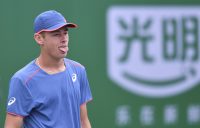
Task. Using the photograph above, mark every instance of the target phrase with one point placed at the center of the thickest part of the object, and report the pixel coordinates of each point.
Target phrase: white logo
(154, 51)
(11, 101)
(74, 77)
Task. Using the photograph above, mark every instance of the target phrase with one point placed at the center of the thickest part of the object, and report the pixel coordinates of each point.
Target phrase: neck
(51, 66)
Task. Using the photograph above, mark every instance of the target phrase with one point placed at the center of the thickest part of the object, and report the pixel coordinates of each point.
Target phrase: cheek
(51, 47)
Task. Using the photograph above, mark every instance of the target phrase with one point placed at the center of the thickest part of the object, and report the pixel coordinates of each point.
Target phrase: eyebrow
(66, 29)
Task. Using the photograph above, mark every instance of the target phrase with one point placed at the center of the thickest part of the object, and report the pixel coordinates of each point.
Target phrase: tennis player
(51, 91)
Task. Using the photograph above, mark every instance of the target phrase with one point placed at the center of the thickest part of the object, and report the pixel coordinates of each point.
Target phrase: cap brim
(58, 26)
(71, 25)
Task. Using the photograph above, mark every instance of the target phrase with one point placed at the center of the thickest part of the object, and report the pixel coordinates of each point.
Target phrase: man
(51, 91)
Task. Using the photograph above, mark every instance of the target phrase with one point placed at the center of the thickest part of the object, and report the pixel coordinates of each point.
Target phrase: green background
(87, 46)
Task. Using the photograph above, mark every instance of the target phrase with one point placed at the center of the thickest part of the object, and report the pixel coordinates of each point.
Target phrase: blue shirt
(49, 100)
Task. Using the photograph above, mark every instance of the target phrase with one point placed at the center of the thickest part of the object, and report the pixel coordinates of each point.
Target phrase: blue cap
(51, 21)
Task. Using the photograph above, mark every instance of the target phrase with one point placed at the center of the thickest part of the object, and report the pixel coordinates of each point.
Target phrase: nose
(64, 38)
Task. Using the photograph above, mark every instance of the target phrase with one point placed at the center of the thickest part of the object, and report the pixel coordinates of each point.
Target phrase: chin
(63, 56)
(59, 57)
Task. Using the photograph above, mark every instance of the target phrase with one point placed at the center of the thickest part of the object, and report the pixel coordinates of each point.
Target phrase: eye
(56, 34)
(65, 33)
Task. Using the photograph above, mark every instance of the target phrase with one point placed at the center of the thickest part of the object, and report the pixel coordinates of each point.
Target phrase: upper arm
(20, 100)
(86, 94)
(13, 121)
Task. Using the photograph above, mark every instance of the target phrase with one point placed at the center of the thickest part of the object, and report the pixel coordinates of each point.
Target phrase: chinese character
(193, 114)
(123, 117)
(138, 33)
(147, 115)
(170, 114)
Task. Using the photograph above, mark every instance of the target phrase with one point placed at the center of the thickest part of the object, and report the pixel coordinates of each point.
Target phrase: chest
(63, 88)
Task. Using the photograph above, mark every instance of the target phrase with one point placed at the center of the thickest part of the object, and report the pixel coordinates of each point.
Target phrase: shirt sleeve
(86, 94)
(20, 101)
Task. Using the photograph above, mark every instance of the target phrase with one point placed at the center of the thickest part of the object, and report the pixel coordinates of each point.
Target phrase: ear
(39, 38)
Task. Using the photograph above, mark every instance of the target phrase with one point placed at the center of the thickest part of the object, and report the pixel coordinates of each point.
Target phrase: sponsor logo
(154, 51)
(74, 77)
(11, 101)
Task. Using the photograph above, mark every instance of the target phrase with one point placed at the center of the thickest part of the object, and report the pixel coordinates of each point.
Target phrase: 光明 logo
(154, 51)
(11, 101)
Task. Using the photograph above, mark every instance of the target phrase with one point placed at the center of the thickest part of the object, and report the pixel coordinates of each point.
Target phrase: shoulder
(24, 73)
(78, 68)
(74, 64)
